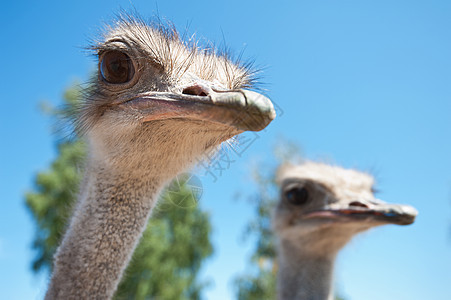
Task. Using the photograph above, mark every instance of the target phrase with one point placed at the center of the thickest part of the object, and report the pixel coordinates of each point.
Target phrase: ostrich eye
(116, 67)
(297, 195)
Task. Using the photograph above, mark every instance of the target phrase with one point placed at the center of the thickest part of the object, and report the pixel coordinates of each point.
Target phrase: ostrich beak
(375, 211)
(242, 109)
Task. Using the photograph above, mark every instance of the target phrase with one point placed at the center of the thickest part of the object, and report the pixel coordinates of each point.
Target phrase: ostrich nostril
(195, 90)
(358, 204)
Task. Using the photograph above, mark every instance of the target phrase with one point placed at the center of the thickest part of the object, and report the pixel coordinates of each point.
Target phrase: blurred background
(363, 84)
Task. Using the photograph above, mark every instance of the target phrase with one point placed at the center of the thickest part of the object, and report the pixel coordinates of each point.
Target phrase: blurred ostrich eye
(116, 67)
(297, 195)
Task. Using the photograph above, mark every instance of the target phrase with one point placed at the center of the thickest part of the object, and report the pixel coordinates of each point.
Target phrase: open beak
(371, 211)
(242, 109)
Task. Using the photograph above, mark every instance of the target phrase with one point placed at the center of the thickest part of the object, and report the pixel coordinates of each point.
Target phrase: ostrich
(156, 105)
(320, 209)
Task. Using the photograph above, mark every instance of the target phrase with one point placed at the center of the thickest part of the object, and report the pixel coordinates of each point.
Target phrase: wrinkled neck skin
(304, 274)
(306, 255)
(116, 199)
(102, 235)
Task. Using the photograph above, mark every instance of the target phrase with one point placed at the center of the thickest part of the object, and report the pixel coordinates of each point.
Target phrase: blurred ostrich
(155, 107)
(320, 209)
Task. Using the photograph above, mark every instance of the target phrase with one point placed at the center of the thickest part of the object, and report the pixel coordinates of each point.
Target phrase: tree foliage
(167, 260)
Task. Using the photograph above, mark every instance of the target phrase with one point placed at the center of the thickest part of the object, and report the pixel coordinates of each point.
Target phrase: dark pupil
(116, 67)
(297, 195)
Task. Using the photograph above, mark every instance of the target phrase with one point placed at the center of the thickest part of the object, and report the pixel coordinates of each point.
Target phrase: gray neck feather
(304, 275)
(107, 223)
(121, 185)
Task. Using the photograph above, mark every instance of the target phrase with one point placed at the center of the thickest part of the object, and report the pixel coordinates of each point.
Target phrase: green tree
(260, 281)
(167, 260)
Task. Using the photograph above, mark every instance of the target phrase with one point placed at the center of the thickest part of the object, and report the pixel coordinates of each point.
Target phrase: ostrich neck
(111, 213)
(304, 275)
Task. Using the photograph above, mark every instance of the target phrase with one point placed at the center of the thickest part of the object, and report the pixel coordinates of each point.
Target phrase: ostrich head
(157, 99)
(322, 207)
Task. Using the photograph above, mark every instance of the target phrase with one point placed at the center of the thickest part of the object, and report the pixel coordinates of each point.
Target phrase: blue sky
(364, 84)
